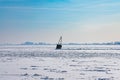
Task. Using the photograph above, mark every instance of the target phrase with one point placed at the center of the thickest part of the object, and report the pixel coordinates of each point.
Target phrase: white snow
(73, 62)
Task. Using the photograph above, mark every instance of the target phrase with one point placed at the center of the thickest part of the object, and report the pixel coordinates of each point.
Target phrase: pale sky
(47, 20)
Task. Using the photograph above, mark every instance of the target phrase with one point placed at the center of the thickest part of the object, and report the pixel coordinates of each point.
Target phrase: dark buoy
(59, 45)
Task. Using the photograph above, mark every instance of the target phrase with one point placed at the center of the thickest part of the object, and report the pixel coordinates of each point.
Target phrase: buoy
(59, 45)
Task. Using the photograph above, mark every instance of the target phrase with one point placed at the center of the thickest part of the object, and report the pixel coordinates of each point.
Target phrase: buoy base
(59, 46)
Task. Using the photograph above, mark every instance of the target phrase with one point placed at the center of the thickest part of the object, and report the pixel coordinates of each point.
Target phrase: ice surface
(73, 62)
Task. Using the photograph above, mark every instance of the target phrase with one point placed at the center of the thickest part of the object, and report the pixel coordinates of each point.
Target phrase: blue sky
(46, 20)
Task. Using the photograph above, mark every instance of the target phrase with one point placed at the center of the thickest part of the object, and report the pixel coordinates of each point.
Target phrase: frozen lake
(73, 62)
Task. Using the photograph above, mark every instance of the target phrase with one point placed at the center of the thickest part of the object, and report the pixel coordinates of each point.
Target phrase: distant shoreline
(43, 43)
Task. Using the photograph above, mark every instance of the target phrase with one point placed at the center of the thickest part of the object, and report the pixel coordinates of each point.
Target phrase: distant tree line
(43, 43)
(32, 43)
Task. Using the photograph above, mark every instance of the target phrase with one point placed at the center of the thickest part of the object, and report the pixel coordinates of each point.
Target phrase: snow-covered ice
(73, 62)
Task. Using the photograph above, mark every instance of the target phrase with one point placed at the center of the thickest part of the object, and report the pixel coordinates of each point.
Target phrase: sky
(47, 20)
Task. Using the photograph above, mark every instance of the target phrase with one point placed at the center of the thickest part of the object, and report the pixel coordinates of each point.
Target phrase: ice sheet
(81, 62)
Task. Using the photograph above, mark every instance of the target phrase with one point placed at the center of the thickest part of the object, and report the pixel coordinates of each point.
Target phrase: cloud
(33, 8)
(84, 9)
(76, 5)
(101, 5)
